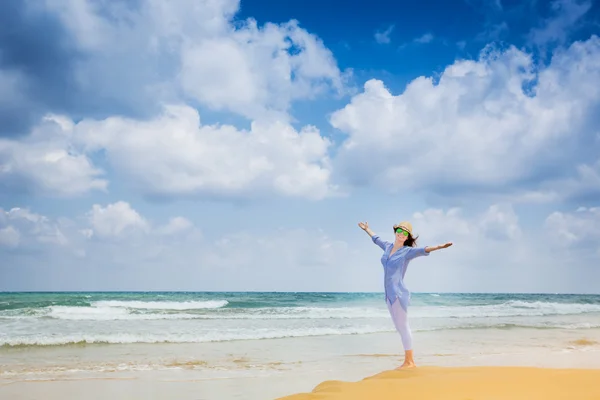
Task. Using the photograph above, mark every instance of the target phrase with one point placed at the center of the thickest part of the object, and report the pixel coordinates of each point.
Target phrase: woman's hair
(411, 241)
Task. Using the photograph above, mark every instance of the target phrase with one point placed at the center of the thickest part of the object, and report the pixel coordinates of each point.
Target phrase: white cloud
(286, 259)
(116, 220)
(174, 154)
(426, 38)
(384, 37)
(579, 228)
(46, 163)
(112, 232)
(167, 52)
(475, 127)
(180, 56)
(501, 221)
(491, 252)
(175, 226)
(99, 25)
(149, 255)
(26, 229)
(496, 226)
(251, 71)
(584, 182)
(557, 27)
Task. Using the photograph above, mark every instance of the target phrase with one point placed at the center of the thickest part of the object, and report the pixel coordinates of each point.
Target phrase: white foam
(308, 313)
(513, 308)
(215, 309)
(106, 314)
(162, 305)
(101, 312)
(213, 336)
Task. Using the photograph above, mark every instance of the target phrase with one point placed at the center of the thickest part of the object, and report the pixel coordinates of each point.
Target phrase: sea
(54, 319)
(272, 343)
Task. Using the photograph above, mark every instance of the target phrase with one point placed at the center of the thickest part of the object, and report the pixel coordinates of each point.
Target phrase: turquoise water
(40, 319)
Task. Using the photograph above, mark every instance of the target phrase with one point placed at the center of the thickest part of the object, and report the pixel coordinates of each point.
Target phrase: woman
(395, 259)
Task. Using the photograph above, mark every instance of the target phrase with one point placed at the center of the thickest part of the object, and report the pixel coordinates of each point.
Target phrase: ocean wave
(162, 305)
(122, 313)
(106, 314)
(512, 308)
(216, 309)
(146, 337)
(150, 338)
(540, 325)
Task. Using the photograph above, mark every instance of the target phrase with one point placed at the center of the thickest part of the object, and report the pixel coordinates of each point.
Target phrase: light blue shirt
(394, 269)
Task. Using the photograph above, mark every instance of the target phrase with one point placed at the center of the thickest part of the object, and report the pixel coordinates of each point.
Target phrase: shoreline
(278, 368)
(257, 347)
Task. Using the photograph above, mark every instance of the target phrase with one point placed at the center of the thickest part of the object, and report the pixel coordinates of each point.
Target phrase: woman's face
(401, 235)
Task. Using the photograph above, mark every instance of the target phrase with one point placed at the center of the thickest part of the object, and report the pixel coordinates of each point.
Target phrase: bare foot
(409, 361)
(407, 365)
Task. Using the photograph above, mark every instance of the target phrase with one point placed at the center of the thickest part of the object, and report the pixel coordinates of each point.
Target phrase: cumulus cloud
(170, 155)
(154, 64)
(35, 68)
(176, 225)
(129, 58)
(499, 221)
(23, 228)
(46, 163)
(108, 233)
(475, 235)
(494, 252)
(255, 70)
(123, 249)
(174, 154)
(582, 185)
(115, 220)
(476, 127)
(578, 228)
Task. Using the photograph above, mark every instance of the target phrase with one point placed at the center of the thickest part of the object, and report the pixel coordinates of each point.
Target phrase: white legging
(400, 318)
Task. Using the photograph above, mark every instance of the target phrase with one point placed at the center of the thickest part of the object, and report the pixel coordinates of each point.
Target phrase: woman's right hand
(363, 225)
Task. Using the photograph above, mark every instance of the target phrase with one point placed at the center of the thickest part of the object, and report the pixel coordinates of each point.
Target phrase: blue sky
(234, 145)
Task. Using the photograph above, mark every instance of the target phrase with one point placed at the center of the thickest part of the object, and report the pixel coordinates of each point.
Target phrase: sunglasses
(402, 231)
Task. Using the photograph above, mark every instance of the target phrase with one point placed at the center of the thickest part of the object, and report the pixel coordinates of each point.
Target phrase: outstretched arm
(376, 239)
(429, 249)
(365, 227)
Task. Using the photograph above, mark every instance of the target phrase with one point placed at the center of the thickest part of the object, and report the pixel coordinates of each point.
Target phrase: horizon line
(281, 292)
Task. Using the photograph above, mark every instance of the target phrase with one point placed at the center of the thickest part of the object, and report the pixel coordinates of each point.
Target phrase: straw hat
(407, 226)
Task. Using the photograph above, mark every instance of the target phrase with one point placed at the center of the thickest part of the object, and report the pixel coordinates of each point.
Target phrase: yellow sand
(470, 383)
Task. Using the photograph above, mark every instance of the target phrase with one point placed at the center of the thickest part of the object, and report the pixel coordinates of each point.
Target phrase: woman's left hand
(446, 245)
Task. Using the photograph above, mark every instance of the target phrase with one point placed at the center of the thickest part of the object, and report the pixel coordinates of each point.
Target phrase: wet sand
(276, 368)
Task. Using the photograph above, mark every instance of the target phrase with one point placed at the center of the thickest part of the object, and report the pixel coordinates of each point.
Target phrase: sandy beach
(264, 346)
(473, 366)
(513, 383)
